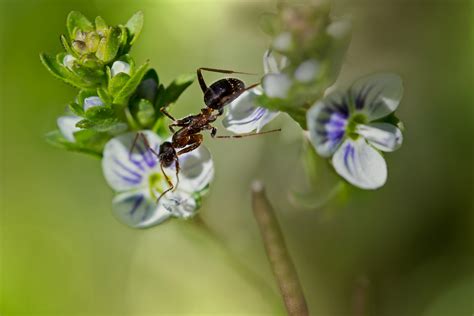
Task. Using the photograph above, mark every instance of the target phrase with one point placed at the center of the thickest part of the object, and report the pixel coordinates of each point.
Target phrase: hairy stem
(280, 260)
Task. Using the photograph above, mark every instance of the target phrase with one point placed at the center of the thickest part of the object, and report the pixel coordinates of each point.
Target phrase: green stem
(275, 247)
(247, 274)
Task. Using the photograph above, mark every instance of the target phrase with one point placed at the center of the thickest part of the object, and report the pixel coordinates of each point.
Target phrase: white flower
(120, 67)
(138, 181)
(307, 71)
(244, 114)
(346, 127)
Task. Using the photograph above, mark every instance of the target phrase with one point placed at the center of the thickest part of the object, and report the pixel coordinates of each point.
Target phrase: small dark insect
(189, 136)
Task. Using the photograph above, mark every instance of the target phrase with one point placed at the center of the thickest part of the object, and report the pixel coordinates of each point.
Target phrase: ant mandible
(189, 135)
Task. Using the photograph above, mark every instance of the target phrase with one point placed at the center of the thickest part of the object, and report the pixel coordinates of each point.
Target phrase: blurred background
(406, 249)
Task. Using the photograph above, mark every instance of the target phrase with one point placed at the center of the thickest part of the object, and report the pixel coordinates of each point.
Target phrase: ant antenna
(247, 135)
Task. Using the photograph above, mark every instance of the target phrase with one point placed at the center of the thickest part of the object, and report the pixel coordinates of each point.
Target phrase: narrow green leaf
(56, 139)
(129, 88)
(174, 90)
(67, 46)
(100, 25)
(99, 113)
(76, 109)
(59, 71)
(109, 45)
(134, 26)
(104, 96)
(76, 20)
(117, 82)
(111, 125)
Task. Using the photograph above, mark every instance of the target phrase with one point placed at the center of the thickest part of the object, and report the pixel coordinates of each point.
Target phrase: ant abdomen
(222, 92)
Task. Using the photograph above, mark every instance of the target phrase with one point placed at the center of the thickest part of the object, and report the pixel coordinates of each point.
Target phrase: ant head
(167, 154)
(222, 92)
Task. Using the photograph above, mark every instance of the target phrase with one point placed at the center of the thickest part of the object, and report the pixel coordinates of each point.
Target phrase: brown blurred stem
(280, 260)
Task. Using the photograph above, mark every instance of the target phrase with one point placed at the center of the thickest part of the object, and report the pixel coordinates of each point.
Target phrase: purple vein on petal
(137, 201)
(130, 171)
(348, 152)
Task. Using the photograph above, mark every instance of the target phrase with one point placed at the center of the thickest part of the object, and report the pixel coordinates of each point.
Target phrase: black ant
(189, 135)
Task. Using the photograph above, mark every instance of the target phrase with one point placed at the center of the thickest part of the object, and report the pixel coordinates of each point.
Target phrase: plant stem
(280, 260)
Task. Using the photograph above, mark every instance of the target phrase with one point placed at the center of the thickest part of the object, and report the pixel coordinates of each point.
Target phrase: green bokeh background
(409, 244)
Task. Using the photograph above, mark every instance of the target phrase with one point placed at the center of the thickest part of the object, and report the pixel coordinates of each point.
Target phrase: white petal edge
(270, 64)
(137, 209)
(118, 165)
(119, 67)
(360, 164)
(68, 61)
(197, 170)
(243, 113)
(67, 126)
(307, 71)
(276, 85)
(383, 136)
(383, 94)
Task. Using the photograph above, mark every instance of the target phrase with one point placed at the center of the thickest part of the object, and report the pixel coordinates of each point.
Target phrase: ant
(189, 135)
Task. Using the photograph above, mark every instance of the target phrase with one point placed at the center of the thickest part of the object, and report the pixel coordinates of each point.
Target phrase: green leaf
(67, 46)
(109, 45)
(134, 26)
(110, 125)
(56, 139)
(117, 82)
(59, 71)
(174, 90)
(99, 113)
(129, 88)
(76, 109)
(83, 94)
(100, 25)
(124, 47)
(104, 96)
(76, 20)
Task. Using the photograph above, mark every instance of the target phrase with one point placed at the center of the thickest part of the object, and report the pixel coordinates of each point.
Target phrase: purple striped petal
(360, 164)
(327, 122)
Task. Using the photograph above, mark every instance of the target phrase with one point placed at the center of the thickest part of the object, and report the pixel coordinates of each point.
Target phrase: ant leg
(133, 144)
(163, 110)
(247, 135)
(170, 184)
(176, 164)
(145, 142)
(194, 142)
(202, 83)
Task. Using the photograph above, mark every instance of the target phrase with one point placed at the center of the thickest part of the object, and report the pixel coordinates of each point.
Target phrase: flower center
(156, 183)
(355, 120)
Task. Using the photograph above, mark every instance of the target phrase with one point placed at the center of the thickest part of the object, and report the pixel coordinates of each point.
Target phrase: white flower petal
(270, 64)
(179, 204)
(360, 164)
(67, 126)
(197, 170)
(276, 85)
(244, 115)
(339, 29)
(327, 121)
(383, 136)
(68, 61)
(124, 171)
(119, 67)
(138, 209)
(377, 95)
(91, 102)
(282, 42)
(307, 71)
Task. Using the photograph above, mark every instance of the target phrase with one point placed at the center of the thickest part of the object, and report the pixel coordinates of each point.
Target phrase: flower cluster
(116, 100)
(351, 127)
